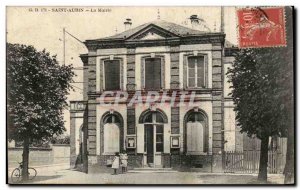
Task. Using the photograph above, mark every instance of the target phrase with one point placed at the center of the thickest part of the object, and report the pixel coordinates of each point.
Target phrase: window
(196, 71)
(159, 138)
(112, 74)
(195, 136)
(152, 73)
(111, 134)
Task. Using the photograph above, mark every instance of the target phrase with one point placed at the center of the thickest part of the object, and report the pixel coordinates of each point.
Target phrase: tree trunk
(25, 159)
(263, 162)
(289, 165)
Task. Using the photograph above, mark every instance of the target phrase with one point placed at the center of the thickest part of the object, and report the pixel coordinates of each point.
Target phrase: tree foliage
(37, 89)
(262, 82)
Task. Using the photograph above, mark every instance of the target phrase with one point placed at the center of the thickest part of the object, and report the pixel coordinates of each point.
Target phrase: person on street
(124, 162)
(116, 163)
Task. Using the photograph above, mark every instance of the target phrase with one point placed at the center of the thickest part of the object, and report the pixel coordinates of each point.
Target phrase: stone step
(152, 170)
(149, 168)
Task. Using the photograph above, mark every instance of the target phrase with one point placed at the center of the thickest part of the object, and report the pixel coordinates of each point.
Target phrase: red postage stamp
(261, 27)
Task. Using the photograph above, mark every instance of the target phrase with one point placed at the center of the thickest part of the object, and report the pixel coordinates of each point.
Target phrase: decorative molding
(152, 29)
(93, 45)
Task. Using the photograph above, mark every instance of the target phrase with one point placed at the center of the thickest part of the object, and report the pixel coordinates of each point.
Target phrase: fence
(248, 161)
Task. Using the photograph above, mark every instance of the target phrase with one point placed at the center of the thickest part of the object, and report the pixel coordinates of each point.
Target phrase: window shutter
(111, 138)
(166, 139)
(140, 139)
(191, 72)
(200, 72)
(195, 137)
(189, 126)
(199, 137)
(112, 75)
(153, 73)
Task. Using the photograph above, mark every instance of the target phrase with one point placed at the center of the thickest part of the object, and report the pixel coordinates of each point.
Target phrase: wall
(57, 154)
(76, 124)
(232, 135)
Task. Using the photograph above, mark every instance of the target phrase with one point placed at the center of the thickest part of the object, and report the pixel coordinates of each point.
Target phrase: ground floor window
(195, 137)
(196, 133)
(111, 134)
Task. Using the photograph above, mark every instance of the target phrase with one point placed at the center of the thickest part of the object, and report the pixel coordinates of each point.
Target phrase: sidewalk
(66, 176)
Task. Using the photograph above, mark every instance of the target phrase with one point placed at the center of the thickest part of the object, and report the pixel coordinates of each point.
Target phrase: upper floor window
(152, 73)
(196, 72)
(112, 74)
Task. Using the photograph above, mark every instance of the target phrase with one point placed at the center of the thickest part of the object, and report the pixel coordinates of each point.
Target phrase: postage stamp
(261, 27)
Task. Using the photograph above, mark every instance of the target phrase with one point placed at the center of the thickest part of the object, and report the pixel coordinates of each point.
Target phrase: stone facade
(174, 51)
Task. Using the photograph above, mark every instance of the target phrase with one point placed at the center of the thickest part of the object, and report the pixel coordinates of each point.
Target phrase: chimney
(199, 24)
(194, 21)
(127, 24)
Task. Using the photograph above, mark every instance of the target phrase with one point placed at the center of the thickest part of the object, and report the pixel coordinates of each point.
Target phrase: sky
(42, 27)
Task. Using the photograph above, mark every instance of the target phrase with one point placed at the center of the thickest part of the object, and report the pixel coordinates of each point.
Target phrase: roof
(169, 26)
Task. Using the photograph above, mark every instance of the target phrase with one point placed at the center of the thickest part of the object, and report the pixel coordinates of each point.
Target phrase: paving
(62, 175)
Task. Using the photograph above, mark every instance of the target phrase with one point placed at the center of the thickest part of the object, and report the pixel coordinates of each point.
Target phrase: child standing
(116, 163)
(124, 161)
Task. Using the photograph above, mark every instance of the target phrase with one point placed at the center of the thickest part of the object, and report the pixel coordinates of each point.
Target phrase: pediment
(152, 32)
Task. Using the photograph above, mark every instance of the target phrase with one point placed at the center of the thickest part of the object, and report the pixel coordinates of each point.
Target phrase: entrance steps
(152, 170)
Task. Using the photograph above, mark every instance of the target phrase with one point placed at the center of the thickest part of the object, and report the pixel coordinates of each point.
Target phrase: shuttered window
(195, 137)
(111, 134)
(112, 74)
(111, 138)
(196, 134)
(152, 73)
(196, 71)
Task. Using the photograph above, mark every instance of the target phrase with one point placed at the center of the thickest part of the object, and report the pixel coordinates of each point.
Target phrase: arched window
(196, 133)
(157, 116)
(111, 134)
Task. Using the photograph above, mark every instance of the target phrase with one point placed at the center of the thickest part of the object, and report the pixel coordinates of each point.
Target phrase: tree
(37, 89)
(262, 82)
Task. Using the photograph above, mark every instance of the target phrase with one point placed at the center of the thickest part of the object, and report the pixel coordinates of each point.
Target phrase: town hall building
(163, 57)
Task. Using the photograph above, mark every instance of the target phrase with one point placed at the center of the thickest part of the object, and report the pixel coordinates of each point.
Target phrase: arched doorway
(111, 133)
(153, 136)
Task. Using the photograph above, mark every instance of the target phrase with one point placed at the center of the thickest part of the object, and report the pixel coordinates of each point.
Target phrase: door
(149, 141)
(159, 145)
(154, 144)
